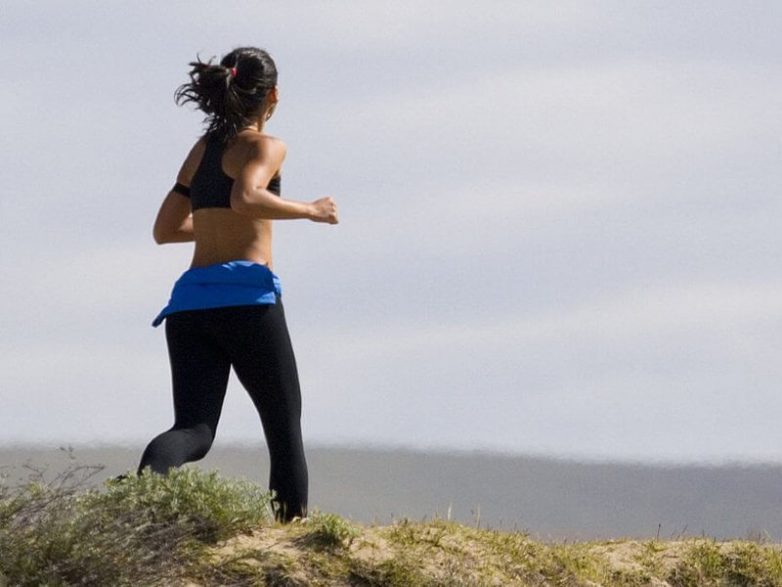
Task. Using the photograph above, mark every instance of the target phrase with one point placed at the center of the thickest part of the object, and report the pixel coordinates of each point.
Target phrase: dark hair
(231, 93)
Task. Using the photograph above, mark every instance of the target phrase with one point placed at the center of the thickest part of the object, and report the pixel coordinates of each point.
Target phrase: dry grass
(192, 529)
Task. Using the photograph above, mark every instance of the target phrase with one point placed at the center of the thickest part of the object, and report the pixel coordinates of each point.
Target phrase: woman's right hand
(324, 210)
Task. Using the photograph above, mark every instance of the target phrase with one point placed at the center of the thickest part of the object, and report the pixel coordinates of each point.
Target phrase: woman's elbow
(241, 205)
(160, 236)
(238, 204)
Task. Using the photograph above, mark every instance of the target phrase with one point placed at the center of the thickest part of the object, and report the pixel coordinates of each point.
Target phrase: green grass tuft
(330, 530)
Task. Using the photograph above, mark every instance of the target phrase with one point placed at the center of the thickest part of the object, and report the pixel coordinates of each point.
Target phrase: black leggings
(202, 347)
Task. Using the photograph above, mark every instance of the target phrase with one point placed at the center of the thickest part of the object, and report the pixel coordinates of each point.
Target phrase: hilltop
(193, 528)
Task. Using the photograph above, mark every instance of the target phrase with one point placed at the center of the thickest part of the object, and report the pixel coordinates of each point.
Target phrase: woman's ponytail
(232, 92)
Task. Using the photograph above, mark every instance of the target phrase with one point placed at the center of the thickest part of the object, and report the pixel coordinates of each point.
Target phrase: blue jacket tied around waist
(236, 283)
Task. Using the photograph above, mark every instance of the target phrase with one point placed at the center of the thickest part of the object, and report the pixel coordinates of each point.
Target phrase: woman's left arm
(174, 222)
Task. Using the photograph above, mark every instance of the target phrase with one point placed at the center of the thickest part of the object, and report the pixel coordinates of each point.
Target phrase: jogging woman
(226, 310)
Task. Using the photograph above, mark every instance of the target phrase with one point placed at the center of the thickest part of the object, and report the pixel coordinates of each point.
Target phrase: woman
(226, 309)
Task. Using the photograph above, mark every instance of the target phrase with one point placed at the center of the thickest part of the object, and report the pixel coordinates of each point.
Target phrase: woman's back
(222, 235)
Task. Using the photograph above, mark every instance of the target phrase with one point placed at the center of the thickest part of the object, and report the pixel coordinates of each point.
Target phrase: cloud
(614, 120)
(659, 313)
(558, 221)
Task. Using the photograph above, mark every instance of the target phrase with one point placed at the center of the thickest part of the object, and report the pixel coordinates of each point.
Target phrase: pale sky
(559, 221)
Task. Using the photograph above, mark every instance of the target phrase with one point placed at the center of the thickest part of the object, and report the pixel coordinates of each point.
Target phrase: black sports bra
(211, 187)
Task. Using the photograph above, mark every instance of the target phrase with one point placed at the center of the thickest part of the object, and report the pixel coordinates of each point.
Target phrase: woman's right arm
(174, 222)
(250, 197)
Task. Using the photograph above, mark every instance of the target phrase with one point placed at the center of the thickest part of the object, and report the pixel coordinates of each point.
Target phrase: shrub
(330, 530)
(143, 529)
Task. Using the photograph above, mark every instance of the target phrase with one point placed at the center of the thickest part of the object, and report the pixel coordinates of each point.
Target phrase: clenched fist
(324, 210)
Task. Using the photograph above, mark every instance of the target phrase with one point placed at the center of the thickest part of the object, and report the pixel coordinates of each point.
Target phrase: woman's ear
(272, 98)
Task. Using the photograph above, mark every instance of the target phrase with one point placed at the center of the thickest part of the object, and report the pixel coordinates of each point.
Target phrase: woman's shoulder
(261, 146)
(261, 140)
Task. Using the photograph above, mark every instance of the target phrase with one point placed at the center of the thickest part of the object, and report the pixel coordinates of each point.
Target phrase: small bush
(330, 530)
(702, 564)
(143, 529)
(211, 507)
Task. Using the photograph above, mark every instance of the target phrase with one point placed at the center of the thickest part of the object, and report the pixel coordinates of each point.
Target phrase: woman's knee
(179, 445)
(200, 439)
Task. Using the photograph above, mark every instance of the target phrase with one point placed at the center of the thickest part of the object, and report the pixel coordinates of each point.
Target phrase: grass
(195, 528)
(139, 530)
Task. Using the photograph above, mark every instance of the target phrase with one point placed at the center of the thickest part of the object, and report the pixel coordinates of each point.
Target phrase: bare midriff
(222, 235)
